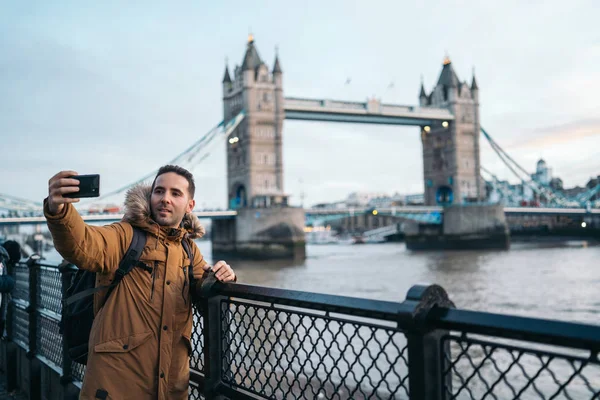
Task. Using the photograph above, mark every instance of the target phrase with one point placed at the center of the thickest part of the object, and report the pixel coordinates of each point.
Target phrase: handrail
(559, 333)
(323, 302)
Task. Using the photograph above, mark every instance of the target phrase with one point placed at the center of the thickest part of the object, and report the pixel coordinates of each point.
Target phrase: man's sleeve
(93, 248)
(199, 263)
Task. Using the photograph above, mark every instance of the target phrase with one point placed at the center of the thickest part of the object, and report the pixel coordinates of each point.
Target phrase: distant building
(542, 174)
(362, 199)
(593, 182)
(334, 205)
(578, 190)
(574, 191)
(381, 202)
(556, 184)
(374, 200)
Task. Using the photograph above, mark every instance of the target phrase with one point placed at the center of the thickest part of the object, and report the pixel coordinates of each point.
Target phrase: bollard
(426, 358)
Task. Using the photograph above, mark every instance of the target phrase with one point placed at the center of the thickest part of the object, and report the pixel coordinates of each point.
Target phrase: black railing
(253, 342)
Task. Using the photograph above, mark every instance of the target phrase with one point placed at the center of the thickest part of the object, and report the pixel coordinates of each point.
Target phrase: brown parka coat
(139, 345)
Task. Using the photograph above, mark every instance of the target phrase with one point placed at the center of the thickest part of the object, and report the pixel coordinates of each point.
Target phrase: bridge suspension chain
(189, 156)
(12, 203)
(512, 164)
(538, 187)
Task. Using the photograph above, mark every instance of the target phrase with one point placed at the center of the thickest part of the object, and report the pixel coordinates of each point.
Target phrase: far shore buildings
(524, 193)
(373, 200)
(500, 191)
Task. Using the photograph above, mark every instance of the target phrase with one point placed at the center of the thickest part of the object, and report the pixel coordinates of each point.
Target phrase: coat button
(164, 328)
(125, 347)
(162, 374)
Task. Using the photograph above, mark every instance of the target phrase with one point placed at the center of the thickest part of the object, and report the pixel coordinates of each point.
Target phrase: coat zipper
(153, 279)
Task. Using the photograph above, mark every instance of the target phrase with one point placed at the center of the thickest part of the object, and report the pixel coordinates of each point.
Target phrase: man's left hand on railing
(223, 272)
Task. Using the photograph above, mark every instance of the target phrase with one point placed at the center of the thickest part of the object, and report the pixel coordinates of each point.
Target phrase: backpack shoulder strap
(130, 259)
(138, 242)
(188, 250)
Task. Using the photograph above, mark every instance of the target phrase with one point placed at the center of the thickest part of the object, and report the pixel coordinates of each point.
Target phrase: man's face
(170, 200)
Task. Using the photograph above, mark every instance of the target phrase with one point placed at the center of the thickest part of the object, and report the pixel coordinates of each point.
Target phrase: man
(140, 341)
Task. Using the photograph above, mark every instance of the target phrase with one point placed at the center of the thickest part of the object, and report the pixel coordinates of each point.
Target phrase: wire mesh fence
(21, 275)
(49, 289)
(283, 353)
(49, 342)
(197, 356)
(490, 367)
(258, 343)
(19, 324)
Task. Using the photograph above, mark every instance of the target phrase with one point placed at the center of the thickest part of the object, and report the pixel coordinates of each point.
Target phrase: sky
(121, 88)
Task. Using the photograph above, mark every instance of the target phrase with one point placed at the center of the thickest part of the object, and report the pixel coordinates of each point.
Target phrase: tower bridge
(447, 118)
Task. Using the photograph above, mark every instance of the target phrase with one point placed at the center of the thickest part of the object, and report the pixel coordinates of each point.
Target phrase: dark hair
(179, 171)
(13, 249)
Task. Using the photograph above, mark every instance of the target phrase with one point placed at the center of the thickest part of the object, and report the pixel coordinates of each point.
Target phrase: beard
(168, 220)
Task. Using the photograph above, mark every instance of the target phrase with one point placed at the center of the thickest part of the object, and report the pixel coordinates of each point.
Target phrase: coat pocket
(123, 345)
(188, 343)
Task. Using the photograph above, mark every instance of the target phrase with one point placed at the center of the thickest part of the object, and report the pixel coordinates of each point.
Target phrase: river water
(558, 281)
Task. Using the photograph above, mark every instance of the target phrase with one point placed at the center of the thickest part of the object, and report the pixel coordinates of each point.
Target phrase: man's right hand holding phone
(59, 185)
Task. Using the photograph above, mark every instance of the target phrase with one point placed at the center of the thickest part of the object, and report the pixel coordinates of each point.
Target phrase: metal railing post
(426, 357)
(66, 276)
(210, 304)
(35, 376)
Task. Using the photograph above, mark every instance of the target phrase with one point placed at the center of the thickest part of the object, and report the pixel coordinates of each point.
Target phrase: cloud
(550, 136)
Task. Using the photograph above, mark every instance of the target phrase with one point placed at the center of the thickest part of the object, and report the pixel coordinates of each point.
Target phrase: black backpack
(78, 303)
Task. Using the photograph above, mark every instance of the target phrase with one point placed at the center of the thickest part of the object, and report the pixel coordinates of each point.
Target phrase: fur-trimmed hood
(137, 212)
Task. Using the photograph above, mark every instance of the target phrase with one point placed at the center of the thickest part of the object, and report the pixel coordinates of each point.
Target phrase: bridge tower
(265, 225)
(451, 164)
(451, 170)
(254, 153)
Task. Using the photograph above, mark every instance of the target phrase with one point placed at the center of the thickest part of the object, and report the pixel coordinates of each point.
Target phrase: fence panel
(294, 353)
(492, 367)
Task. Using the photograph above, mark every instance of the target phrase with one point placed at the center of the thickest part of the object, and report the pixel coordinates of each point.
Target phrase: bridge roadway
(107, 217)
(314, 213)
(370, 112)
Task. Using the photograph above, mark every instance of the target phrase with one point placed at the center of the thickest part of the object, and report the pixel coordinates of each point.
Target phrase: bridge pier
(464, 227)
(261, 233)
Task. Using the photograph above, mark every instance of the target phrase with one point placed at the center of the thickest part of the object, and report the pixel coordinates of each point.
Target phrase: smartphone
(89, 186)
